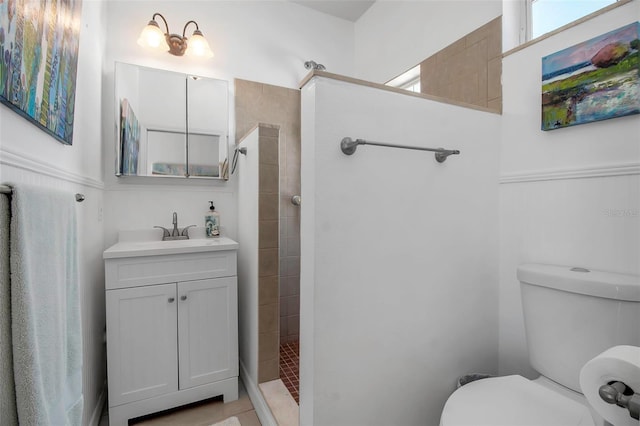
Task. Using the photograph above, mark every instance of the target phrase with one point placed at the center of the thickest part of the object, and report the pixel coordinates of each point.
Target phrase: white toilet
(571, 315)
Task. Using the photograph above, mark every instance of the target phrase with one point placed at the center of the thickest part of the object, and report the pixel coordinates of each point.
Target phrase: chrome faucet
(175, 234)
(175, 231)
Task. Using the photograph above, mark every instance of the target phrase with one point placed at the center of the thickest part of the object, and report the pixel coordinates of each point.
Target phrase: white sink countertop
(149, 243)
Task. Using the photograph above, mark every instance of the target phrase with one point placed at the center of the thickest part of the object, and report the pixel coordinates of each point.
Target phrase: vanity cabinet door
(207, 330)
(142, 346)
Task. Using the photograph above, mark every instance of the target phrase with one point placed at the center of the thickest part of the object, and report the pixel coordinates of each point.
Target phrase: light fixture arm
(184, 31)
(166, 26)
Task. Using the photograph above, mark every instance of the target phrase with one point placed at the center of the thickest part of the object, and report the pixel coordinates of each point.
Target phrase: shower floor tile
(290, 367)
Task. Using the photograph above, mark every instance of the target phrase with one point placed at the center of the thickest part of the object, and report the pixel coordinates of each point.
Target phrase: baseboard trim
(31, 164)
(575, 173)
(99, 408)
(259, 404)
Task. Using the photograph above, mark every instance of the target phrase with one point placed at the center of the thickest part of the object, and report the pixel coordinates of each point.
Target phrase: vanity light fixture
(153, 38)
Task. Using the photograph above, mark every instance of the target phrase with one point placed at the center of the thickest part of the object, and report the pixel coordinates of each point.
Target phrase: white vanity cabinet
(142, 342)
(172, 327)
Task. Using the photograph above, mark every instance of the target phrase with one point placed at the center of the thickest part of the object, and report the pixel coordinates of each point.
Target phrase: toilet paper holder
(623, 396)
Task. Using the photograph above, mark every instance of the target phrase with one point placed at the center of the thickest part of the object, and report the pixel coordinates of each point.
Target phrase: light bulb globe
(197, 45)
(152, 37)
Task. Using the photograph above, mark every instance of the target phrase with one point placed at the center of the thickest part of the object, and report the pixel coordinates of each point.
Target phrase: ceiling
(351, 10)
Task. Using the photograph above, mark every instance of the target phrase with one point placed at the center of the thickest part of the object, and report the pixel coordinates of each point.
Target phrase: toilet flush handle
(614, 393)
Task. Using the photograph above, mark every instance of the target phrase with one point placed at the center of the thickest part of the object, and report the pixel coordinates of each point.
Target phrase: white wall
(266, 41)
(394, 36)
(248, 186)
(399, 255)
(591, 219)
(29, 155)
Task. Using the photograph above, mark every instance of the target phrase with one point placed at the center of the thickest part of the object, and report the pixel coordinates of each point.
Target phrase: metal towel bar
(349, 146)
(4, 189)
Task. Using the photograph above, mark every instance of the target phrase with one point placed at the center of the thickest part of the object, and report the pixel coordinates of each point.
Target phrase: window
(413, 86)
(548, 15)
(409, 80)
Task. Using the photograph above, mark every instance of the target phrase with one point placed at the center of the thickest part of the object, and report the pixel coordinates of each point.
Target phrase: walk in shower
(272, 114)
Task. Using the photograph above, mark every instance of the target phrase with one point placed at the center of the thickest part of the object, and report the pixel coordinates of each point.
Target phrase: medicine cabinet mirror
(170, 124)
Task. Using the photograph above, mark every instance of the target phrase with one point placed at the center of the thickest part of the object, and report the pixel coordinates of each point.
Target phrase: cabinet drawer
(147, 270)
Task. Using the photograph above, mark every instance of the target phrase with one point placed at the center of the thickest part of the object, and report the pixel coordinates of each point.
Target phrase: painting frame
(39, 43)
(595, 80)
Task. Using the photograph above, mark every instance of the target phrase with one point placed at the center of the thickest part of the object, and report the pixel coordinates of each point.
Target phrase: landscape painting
(594, 80)
(38, 62)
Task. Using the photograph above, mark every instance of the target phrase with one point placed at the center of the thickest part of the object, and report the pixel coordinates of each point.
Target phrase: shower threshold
(284, 409)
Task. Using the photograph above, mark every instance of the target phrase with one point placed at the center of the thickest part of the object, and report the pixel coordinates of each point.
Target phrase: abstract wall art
(38, 62)
(129, 139)
(592, 81)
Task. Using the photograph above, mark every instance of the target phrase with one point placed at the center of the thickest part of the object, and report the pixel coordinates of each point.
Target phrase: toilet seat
(512, 401)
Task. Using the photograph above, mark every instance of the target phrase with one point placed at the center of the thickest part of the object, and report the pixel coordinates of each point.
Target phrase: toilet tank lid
(609, 285)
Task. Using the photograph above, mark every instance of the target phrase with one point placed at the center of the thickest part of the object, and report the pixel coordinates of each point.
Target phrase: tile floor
(202, 414)
(290, 367)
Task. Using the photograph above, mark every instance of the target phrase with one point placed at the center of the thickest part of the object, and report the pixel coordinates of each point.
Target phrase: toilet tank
(573, 314)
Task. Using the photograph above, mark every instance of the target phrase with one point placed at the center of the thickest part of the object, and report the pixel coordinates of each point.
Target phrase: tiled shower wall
(268, 190)
(469, 69)
(265, 103)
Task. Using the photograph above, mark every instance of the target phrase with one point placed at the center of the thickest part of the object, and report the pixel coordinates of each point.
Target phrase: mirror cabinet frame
(164, 102)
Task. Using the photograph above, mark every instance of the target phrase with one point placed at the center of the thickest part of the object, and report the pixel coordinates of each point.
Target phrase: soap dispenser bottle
(212, 222)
